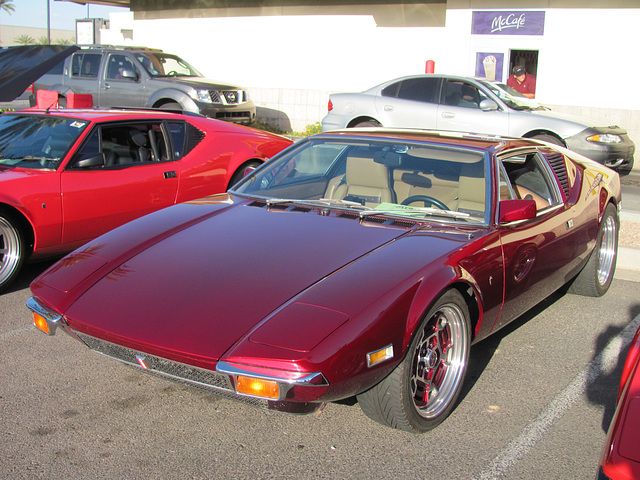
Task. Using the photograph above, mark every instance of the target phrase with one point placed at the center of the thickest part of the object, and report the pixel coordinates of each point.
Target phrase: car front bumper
(240, 113)
(618, 156)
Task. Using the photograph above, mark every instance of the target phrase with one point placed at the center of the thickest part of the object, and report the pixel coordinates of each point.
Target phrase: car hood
(201, 83)
(195, 278)
(21, 66)
(567, 124)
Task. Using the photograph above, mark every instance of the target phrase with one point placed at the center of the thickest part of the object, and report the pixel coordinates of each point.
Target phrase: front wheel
(596, 276)
(11, 250)
(422, 390)
(546, 137)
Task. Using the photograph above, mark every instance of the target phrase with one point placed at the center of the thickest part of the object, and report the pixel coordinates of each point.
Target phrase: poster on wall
(508, 23)
(489, 65)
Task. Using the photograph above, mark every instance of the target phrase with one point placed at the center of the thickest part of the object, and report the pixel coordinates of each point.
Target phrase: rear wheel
(367, 124)
(242, 172)
(11, 250)
(422, 390)
(596, 276)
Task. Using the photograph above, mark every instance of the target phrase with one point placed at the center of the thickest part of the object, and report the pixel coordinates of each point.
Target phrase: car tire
(596, 276)
(436, 362)
(171, 106)
(366, 124)
(545, 137)
(11, 250)
(242, 172)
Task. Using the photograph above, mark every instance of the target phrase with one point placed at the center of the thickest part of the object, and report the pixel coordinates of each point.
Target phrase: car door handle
(388, 108)
(106, 86)
(170, 174)
(448, 115)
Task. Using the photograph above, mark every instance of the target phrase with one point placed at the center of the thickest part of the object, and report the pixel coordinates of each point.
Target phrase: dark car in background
(145, 77)
(67, 176)
(455, 103)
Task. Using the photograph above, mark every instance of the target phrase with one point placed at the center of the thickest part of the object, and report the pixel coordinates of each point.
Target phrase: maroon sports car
(357, 263)
(67, 176)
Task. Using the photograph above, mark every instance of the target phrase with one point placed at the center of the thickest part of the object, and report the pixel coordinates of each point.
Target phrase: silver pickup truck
(144, 77)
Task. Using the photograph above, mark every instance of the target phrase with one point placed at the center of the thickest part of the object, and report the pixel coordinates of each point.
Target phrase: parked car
(68, 176)
(446, 102)
(621, 454)
(145, 77)
(358, 263)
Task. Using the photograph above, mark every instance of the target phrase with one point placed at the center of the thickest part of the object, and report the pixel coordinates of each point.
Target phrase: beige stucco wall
(9, 34)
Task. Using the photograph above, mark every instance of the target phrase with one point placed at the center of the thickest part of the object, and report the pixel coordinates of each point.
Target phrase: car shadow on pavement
(603, 391)
(482, 353)
(28, 274)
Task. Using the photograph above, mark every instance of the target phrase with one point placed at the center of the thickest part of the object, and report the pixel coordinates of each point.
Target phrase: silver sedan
(452, 103)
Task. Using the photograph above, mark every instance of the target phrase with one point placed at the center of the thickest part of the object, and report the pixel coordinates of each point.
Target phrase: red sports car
(358, 263)
(621, 454)
(68, 176)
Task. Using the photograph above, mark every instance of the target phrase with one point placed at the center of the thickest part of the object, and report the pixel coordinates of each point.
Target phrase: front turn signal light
(257, 387)
(41, 323)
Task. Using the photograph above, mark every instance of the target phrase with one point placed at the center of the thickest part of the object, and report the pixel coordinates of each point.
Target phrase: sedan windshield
(159, 64)
(376, 178)
(37, 141)
(512, 98)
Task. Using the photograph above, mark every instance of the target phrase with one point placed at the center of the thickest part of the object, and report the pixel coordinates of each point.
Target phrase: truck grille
(231, 97)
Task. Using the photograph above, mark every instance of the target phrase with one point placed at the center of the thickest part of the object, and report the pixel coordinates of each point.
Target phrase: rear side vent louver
(559, 167)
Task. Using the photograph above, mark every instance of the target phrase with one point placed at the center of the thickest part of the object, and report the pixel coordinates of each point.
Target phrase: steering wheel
(427, 201)
(172, 73)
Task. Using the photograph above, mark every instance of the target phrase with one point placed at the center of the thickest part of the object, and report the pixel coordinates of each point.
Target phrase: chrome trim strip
(53, 319)
(286, 384)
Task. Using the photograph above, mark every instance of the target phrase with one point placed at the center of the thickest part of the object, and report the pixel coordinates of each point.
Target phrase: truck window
(85, 65)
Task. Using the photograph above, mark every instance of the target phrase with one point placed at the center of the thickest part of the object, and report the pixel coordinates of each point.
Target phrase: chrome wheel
(421, 391)
(607, 252)
(10, 251)
(439, 361)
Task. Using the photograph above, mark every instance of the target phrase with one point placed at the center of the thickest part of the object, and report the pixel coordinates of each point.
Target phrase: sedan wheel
(596, 276)
(422, 390)
(11, 251)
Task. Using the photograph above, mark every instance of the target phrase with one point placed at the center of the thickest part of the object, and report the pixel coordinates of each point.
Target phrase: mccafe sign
(508, 23)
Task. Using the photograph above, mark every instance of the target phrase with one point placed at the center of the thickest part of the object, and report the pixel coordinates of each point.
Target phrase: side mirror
(95, 161)
(488, 105)
(516, 210)
(130, 74)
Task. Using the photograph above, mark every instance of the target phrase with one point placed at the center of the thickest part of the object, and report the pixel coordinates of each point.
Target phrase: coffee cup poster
(489, 65)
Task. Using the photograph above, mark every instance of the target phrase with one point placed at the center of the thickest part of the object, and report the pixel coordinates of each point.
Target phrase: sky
(63, 15)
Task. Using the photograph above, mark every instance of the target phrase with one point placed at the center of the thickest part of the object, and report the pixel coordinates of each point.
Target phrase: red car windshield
(37, 141)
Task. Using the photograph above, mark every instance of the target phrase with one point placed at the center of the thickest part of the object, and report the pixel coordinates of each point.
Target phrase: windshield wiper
(436, 212)
(330, 202)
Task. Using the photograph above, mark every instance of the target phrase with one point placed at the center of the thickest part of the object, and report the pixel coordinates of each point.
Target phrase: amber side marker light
(378, 356)
(257, 387)
(41, 323)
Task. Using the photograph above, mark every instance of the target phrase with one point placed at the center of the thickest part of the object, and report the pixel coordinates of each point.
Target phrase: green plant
(311, 129)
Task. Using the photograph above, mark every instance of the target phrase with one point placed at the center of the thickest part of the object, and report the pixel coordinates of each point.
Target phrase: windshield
(159, 64)
(376, 178)
(511, 97)
(37, 141)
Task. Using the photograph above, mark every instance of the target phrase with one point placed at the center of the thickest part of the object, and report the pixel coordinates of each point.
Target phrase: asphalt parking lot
(537, 403)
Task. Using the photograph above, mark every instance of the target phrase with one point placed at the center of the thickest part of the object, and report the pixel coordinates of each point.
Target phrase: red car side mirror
(516, 210)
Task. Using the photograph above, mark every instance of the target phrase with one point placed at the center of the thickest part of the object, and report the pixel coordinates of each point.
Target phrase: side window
(462, 94)
(124, 145)
(85, 65)
(116, 66)
(530, 179)
(419, 89)
(177, 132)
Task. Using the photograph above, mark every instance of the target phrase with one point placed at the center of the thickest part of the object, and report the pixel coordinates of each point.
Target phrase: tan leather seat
(472, 189)
(366, 182)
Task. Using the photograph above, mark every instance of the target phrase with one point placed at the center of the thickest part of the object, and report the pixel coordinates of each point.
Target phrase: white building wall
(290, 64)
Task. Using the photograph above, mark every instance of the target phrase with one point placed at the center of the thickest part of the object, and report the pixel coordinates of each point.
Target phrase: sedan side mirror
(517, 210)
(487, 105)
